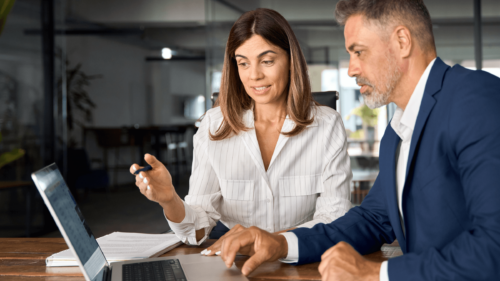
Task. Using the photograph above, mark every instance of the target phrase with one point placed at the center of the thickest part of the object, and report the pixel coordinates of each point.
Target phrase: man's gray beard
(390, 78)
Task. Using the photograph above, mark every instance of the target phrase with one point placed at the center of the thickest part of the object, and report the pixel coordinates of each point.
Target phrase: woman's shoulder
(214, 114)
(212, 120)
(326, 114)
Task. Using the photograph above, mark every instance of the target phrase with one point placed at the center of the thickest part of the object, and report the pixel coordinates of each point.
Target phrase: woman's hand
(155, 184)
(215, 248)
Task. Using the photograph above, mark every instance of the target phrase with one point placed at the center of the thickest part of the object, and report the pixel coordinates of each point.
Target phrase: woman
(267, 155)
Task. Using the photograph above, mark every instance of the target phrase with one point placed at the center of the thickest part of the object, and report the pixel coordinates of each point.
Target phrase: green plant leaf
(5, 7)
(11, 156)
(368, 116)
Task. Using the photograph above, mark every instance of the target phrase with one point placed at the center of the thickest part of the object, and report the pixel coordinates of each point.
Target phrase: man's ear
(403, 40)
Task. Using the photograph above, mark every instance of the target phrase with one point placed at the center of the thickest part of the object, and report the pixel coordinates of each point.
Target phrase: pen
(147, 168)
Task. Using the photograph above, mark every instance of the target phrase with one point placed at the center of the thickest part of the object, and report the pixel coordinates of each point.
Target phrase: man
(438, 190)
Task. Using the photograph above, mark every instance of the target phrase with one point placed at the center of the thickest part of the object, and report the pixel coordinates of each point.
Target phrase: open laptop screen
(70, 221)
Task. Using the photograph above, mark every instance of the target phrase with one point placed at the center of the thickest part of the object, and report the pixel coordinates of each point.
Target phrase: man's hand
(342, 262)
(217, 246)
(261, 245)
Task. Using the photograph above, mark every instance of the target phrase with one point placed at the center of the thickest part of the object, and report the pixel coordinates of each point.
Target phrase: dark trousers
(219, 230)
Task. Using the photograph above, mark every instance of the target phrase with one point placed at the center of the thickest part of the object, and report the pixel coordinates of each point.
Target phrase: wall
(132, 91)
(171, 79)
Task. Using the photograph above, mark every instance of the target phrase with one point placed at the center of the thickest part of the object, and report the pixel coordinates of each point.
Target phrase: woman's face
(263, 69)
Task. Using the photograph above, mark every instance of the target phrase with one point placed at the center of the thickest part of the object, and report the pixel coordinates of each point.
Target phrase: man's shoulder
(460, 76)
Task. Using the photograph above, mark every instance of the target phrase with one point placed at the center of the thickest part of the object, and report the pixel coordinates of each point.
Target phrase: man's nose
(353, 70)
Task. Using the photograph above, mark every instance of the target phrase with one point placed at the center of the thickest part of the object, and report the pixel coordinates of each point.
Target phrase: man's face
(371, 61)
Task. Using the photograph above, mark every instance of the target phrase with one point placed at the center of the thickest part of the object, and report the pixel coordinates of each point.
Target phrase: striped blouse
(307, 181)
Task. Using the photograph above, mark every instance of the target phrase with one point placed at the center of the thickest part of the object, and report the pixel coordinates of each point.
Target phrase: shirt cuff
(384, 272)
(185, 230)
(293, 248)
(310, 224)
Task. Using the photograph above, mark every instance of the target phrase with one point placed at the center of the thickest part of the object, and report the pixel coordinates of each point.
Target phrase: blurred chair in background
(81, 175)
(328, 98)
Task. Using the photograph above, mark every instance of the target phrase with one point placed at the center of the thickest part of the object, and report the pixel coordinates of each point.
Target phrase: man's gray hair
(411, 13)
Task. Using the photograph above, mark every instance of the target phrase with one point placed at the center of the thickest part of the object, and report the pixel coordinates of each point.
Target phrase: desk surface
(24, 259)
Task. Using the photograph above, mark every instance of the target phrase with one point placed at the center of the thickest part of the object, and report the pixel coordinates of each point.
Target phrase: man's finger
(330, 251)
(254, 261)
(151, 160)
(232, 244)
(322, 266)
(217, 246)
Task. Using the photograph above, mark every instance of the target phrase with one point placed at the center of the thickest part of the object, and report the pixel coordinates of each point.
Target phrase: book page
(120, 246)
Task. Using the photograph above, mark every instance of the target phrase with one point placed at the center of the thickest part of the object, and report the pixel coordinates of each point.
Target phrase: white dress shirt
(307, 181)
(403, 123)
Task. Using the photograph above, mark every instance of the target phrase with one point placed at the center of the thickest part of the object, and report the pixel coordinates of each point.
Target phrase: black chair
(328, 98)
(81, 175)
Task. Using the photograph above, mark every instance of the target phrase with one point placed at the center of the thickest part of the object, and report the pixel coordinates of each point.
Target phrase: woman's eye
(268, 62)
(243, 64)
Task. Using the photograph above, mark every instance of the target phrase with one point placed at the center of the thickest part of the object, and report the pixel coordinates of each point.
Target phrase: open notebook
(123, 246)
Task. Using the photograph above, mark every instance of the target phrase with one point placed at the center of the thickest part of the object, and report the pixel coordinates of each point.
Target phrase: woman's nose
(256, 73)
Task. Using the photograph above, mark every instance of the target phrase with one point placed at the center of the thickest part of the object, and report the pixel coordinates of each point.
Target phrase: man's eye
(357, 53)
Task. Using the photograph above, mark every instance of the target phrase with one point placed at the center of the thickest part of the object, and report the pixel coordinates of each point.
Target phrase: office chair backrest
(328, 98)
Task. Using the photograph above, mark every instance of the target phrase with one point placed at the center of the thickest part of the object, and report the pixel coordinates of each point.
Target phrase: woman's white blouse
(307, 181)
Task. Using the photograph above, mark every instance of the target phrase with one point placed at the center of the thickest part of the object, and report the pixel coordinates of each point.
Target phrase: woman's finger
(142, 189)
(138, 181)
(212, 250)
(134, 168)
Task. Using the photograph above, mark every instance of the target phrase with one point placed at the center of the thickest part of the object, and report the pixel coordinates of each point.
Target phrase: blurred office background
(93, 85)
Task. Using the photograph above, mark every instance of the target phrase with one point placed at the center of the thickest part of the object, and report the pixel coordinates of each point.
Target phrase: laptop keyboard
(166, 270)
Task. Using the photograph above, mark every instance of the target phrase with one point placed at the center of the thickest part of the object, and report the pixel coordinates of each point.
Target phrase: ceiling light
(166, 53)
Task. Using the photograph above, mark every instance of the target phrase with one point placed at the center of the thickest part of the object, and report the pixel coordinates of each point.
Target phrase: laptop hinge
(108, 274)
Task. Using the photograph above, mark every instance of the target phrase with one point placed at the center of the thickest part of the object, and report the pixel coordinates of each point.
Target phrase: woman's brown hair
(233, 99)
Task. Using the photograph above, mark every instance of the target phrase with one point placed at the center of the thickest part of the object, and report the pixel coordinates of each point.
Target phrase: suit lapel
(432, 86)
(388, 161)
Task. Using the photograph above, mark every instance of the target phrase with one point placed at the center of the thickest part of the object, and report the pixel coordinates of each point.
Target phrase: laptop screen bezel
(53, 168)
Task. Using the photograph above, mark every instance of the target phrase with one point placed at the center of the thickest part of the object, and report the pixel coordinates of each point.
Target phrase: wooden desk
(24, 259)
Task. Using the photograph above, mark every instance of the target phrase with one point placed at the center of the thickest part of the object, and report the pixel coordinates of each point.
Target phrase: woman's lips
(260, 90)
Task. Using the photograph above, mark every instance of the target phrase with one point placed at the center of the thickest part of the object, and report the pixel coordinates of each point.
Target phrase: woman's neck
(270, 113)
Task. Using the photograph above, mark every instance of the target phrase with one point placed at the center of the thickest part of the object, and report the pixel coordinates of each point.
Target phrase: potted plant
(5, 7)
(10, 156)
(79, 104)
(369, 118)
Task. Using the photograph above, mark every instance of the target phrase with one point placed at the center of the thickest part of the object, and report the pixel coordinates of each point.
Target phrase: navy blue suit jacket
(451, 197)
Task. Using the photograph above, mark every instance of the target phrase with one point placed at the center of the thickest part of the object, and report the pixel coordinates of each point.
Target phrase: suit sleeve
(365, 228)
(474, 137)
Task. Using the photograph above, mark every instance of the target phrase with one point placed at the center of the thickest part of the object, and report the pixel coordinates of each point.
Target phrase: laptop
(93, 263)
